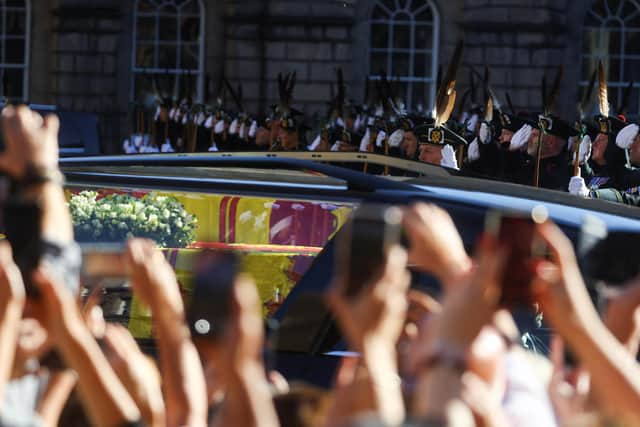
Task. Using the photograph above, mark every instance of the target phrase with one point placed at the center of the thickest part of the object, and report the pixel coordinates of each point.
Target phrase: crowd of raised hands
(455, 360)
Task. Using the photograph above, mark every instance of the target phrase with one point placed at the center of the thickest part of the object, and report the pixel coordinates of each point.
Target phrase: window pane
(190, 6)
(632, 43)
(425, 15)
(401, 36)
(189, 57)
(422, 65)
(168, 28)
(591, 40)
(146, 29)
(16, 23)
(400, 65)
(14, 53)
(631, 71)
(144, 56)
(190, 29)
(613, 6)
(424, 37)
(14, 82)
(588, 65)
(419, 94)
(145, 6)
(167, 56)
(599, 8)
(379, 35)
(390, 4)
(614, 42)
(613, 70)
(378, 63)
(628, 10)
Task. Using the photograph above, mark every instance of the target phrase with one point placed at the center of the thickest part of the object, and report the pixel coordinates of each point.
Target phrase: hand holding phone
(365, 242)
(210, 306)
(516, 233)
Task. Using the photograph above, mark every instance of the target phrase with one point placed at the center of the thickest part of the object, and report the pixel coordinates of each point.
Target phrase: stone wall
(521, 40)
(309, 37)
(86, 64)
(81, 53)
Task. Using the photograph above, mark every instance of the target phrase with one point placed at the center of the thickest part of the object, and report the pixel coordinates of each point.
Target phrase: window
(168, 44)
(276, 238)
(612, 34)
(15, 23)
(404, 44)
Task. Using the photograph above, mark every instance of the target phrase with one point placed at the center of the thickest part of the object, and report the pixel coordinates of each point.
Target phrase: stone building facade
(98, 56)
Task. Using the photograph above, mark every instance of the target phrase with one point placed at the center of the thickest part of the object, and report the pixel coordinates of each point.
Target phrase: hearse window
(277, 238)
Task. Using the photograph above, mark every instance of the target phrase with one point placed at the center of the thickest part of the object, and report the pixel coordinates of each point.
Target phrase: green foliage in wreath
(118, 217)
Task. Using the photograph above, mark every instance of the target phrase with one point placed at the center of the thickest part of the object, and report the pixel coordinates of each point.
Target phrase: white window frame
(24, 66)
(619, 82)
(411, 50)
(157, 43)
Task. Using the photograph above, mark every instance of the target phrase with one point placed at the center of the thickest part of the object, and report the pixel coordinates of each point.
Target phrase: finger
(393, 275)
(559, 244)
(52, 293)
(51, 123)
(94, 318)
(24, 117)
(422, 304)
(546, 275)
(491, 262)
(346, 372)
(278, 381)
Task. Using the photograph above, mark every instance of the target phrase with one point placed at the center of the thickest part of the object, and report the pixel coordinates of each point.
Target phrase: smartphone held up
(365, 242)
(516, 233)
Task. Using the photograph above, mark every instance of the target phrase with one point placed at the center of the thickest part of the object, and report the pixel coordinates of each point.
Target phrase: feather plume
(488, 112)
(604, 91)
(586, 96)
(510, 104)
(234, 95)
(463, 102)
(447, 88)
(442, 119)
(555, 91)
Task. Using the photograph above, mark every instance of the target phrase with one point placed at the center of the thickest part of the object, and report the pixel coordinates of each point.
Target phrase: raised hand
(30, 141)
(577, 187)
(435, 244)
(449, 158)
(376, 315)
(520, 139)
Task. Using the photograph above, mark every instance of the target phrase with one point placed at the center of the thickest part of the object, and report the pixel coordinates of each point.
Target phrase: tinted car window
(276, 238)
